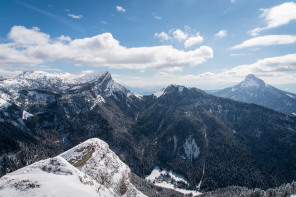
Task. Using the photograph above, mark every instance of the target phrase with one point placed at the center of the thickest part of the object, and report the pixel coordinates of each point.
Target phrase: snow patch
(26, 115)
(175, 143)
(191, 149)
(99, 99)
(4, 103)
(169, 179)
(289, 95)
(158, 175)
(138, 95)
(159, 94)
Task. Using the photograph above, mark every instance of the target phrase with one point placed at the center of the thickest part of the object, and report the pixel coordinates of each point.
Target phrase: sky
(208, 44)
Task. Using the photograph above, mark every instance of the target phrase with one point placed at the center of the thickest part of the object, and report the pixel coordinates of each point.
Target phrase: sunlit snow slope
(89, 169)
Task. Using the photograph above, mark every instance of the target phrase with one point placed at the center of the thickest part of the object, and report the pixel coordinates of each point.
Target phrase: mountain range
(255, 90)
(179, 137)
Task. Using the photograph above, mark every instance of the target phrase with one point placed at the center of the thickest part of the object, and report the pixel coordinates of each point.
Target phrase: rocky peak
(252, 81)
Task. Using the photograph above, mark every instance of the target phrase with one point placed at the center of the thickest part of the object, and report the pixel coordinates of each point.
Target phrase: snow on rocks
(191, 149)
(89, 169)
(159, 93)
(4, 103)
(26, 115)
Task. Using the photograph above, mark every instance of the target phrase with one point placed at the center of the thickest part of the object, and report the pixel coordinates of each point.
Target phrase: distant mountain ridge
(210, 142)
(255, 90)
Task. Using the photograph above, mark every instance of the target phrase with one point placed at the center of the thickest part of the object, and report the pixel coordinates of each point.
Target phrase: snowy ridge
(54, 81)
(89, 169)
(63, 81)
(251, 81)
(67, 78)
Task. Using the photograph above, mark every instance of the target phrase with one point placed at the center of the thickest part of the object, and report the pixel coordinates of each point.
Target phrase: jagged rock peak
(252, 81)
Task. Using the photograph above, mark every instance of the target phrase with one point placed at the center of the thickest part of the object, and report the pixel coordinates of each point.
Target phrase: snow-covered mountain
(255, 90)
(211, 142)
(62, 81)
(88, 169)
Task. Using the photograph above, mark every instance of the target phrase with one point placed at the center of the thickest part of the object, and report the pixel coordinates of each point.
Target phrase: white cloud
(22, 35)
(232, 1)
(237, 54)
(162, 36)
(274, 70)
(120, 9)
(157, 17)
(75, 16)
(179, 35)
(221, 33)
(98, 51)
(194, 40)
(188, 36)
(276, 16)
(63, 38)
(266, 41)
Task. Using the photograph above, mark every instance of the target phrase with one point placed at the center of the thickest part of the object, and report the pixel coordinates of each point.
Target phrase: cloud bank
(32, 47)
(281, 68)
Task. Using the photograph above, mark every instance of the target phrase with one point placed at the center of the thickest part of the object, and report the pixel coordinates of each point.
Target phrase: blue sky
(209, 44)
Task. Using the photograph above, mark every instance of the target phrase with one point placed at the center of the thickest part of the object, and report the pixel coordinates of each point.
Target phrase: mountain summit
(252, 81)
(255, 90)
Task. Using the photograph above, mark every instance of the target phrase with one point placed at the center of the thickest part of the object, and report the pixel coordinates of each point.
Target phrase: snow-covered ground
(89, 169)
(169, 179)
